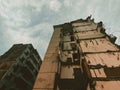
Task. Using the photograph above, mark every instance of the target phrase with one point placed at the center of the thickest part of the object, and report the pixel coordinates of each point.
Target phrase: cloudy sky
(31, 21)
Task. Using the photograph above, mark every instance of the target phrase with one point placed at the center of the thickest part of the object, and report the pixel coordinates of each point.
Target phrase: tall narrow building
(19, 67)
(80, 56)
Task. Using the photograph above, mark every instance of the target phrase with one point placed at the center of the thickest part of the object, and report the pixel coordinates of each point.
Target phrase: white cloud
(73, 3)
(67, 3)
(20, 12)
(31, 21)
(54, 5)
(16, 15)
(39, 35)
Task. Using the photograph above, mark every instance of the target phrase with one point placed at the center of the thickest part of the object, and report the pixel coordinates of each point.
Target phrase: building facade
(80, 56)
(19, 67)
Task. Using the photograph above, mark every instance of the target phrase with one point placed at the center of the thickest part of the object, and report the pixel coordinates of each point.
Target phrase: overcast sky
(31, 21)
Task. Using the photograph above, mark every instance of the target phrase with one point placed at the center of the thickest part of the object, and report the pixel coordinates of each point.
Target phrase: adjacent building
(80, 56)
(19, 67)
